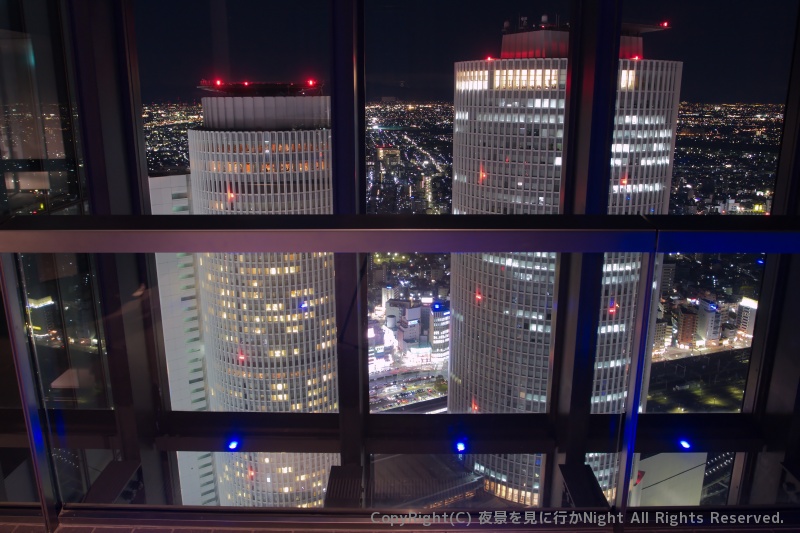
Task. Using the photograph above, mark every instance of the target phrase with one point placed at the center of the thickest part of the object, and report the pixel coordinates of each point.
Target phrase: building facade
(709, 320)
(439, 332)
(508, 142)
(746, 317)
(264, 335)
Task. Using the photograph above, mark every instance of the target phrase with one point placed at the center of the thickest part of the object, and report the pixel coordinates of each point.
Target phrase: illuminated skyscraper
(508, 138)
(439, 331)
(268, 328)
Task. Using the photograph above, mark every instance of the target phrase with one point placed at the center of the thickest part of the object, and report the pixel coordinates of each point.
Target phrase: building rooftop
(258, 88)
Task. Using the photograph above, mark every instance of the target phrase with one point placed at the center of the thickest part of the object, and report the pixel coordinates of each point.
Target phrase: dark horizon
(734, 59)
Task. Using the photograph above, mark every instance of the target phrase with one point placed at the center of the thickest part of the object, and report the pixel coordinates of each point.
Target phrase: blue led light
(685, 444)
(760, 261)
(460, 447)
(232, 445)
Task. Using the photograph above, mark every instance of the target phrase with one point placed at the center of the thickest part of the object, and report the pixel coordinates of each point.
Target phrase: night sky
(731, 50)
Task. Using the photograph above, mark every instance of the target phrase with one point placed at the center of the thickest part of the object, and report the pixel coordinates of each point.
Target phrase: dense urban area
(725, 161)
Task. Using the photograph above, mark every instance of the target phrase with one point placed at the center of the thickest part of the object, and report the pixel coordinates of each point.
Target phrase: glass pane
(435, 141)
(222, 49)
(681, 479)
(409, 158)
(241, 479)
(701, 332)
(62, 319)
(17, 483)
(605, 467)
(408, 331)
(729, 127)
(775, 482)
(263, 479)
(37, 149)
(500, 336)
(249, 332)
(461, 481)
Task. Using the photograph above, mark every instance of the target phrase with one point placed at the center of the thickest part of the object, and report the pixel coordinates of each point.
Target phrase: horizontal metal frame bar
(380, 233)
(413, 433)
(255, 432)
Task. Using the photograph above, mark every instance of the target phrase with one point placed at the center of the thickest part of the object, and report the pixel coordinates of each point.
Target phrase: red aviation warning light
(664, 24)
(251, 473)
(636, 58)
(246, 83)
(478, 296)
(218, 82)
(474, 405)
(311, 83)
(489, 58)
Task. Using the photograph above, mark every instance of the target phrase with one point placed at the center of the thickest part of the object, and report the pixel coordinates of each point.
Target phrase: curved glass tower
(269, 326)
(508, 139)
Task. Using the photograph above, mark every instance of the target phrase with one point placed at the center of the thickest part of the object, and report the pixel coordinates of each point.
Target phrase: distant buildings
(687, 325)
(386, 160)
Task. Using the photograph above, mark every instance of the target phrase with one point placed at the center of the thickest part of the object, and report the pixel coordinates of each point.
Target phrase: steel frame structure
(142, 427)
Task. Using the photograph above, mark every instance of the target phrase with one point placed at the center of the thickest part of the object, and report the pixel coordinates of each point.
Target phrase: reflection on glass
(703, 331)
(273, 479)
(17, 483)
(605, 467)
(62, 321)
(681, 479)
(441, 481)
(39, 171)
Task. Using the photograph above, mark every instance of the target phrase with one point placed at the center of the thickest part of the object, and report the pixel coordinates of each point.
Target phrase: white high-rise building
(266, 321)
(709, 320)
(439, 332)
(508, 139)
(746, 317)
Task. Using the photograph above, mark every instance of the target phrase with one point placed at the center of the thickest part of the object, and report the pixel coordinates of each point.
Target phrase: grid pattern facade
(440, 332)
(508, 143)
(269, 324)
(276, 479)
(283, 172)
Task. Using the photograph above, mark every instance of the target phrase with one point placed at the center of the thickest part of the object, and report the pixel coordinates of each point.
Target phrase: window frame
(354, 432)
